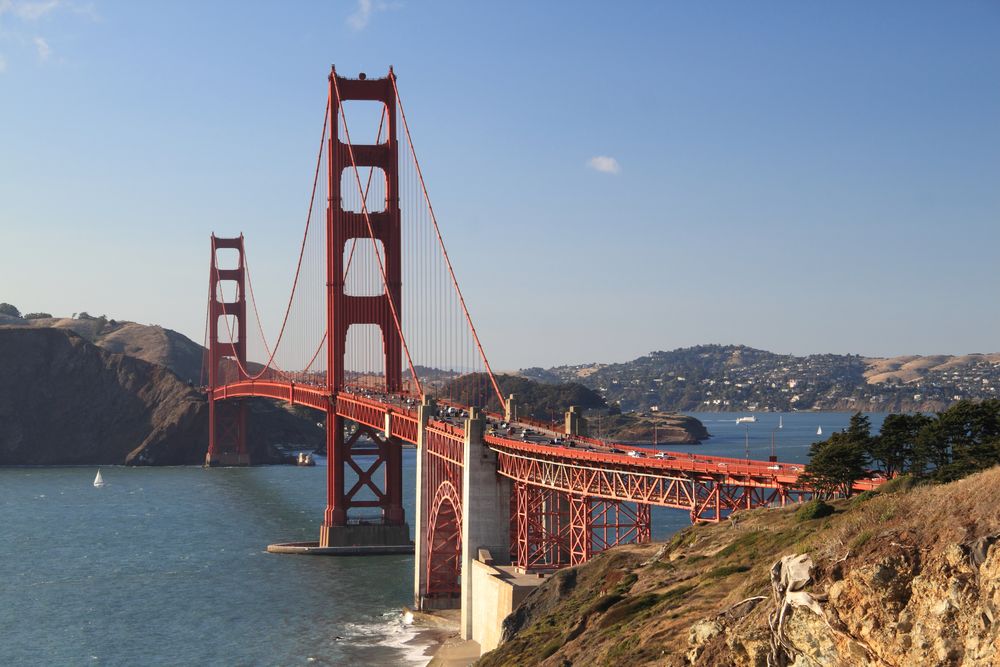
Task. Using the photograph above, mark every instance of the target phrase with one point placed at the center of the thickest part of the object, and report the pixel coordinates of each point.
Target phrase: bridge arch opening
(364, 357)
(373, 185)
(363, 118)
(228, 259)
(444, 540)
(362, 276)
(229, 331)
(227, 291)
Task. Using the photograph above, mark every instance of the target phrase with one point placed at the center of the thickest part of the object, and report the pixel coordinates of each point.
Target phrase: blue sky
(801, 177)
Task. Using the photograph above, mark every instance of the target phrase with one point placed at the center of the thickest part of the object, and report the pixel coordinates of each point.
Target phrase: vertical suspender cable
(444, 251)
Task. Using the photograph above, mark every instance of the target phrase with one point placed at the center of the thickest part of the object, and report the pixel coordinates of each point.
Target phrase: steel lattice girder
(707, 499)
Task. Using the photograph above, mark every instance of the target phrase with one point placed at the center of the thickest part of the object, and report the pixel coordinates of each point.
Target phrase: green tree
(859, 431)
(37, 316)
(8, 309)
(931, 450)
(964, 439)
(892, 450)
(837, 463)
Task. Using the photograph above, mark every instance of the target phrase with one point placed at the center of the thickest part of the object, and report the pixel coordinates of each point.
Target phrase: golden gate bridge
(388, 365)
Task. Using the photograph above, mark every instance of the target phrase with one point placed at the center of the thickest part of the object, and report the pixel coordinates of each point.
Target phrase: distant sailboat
(819, 430)
(98, 481)
(780, 423)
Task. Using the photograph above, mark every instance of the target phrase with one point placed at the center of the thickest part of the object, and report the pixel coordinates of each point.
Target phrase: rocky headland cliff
(548, 401)
(647, 428)
(64, 400)
(898, 578)
(148, 342)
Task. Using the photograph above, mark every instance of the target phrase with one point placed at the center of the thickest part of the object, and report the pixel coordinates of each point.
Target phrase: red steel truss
(552, 529)
(617, 478)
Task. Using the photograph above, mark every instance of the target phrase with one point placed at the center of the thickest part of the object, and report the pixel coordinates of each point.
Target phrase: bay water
(167, 566)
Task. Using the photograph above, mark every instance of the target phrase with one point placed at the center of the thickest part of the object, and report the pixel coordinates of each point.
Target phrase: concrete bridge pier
(422, 501)
(510, 408)
(575, 423)
(485, 511)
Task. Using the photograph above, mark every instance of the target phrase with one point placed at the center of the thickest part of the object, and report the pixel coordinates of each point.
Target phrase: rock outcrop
(664, 428)
(891, 579)
(64, 400)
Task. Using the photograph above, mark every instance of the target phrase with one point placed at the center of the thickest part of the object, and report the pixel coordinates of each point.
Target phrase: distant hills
(92, 390)
(548, 401)
(736, 378)
(151, 343)
(66, 401)
(166, 417)
(704, 378)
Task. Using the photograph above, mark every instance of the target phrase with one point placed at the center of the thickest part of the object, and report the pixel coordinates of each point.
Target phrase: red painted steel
(227, 441)
(344, 310)
(444, 541)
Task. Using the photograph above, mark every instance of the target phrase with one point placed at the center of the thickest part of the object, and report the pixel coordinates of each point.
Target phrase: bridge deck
(588, 458)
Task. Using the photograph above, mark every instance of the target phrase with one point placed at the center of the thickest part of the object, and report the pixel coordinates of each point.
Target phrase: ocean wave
(392, 631)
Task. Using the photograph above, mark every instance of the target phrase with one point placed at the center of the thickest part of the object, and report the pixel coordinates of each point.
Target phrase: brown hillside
(148, 342)
(66, 401)
(895, 579)
(907, 369)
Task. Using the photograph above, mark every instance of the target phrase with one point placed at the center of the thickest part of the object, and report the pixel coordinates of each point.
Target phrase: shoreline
(443, 646)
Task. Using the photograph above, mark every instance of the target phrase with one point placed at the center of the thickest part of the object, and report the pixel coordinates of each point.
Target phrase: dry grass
(910, 368)
(705, 570)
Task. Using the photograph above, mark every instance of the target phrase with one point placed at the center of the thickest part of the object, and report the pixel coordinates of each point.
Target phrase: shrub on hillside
(814, 509)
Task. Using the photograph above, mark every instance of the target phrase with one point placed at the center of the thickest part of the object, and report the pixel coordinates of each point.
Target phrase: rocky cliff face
(896, 579)
(148, 342)
(66, 401)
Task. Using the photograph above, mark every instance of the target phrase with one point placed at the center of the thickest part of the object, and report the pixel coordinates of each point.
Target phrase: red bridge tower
(345, 310)
(227, 356)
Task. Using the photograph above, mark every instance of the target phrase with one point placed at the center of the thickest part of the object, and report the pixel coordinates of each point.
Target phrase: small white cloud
(366, 8)
(604, 164)
(43, 48)
(28, 10)
(359, 19)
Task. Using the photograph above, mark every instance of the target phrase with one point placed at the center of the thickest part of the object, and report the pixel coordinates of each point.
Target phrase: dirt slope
(897, 579)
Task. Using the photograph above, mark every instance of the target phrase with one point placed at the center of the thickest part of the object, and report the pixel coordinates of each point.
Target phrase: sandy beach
(439, 631)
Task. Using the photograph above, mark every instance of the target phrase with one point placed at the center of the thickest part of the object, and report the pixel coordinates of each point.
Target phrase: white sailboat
(780, 423)
(98, 481)
(819, 430)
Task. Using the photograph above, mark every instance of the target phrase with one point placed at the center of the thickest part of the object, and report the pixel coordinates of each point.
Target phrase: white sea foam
(394, 630)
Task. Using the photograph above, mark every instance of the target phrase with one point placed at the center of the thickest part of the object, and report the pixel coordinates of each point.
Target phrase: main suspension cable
(444, 251)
